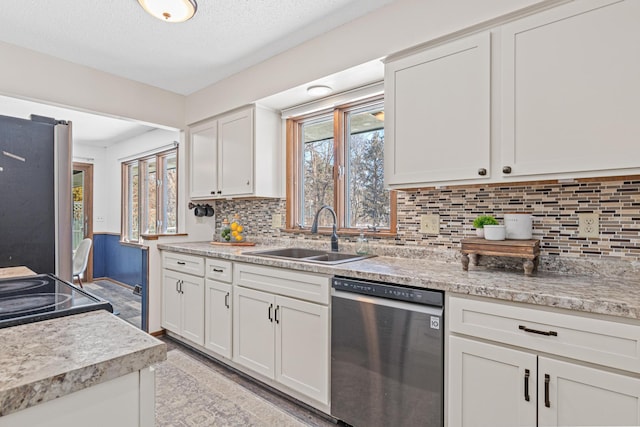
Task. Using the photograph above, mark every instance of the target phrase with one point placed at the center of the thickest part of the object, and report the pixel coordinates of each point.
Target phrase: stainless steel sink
(309, 255)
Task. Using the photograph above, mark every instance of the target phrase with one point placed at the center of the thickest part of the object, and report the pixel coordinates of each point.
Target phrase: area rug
(188, 393)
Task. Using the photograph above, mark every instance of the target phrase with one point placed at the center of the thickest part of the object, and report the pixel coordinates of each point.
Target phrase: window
(150, 194)
(336, 158)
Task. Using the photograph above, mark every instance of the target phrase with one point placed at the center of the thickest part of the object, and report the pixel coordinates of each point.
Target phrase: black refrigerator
(35, 195)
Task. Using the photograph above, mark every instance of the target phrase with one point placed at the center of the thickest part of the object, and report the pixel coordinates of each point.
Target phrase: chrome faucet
(334, 235)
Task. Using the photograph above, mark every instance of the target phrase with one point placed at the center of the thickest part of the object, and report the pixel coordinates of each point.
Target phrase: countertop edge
(23, 394)
(556, 290)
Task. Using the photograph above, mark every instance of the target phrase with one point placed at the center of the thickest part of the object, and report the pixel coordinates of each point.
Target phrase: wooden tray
(233, 243)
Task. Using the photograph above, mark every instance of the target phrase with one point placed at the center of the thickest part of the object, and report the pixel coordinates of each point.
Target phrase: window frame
(142, 163)
(294, 171)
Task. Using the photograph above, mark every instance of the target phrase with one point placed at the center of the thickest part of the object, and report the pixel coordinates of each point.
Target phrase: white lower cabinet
(282, 338)
(183, 305)
(490, 385)
(574, 395)
(218, 317)
(128, 400)
(254, 330)
(495, 384)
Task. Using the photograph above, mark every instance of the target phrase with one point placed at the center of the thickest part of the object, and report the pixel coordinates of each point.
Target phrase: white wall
(33, 76)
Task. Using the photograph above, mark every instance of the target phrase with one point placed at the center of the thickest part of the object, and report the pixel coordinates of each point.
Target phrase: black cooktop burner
(35, 298)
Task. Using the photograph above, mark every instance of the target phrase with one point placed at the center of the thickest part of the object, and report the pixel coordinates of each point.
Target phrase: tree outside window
(337, 159)
(149, 196)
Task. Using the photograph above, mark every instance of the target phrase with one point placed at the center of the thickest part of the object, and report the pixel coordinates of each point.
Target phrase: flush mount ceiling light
(170, 10)
(319, 90)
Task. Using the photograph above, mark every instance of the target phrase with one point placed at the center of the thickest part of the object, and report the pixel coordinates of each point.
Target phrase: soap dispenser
(362, 244)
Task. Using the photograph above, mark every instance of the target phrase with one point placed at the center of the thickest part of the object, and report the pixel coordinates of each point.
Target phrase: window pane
(169, 203)
(317, 169)
(367, 200)
(148, 197)
(132, 214)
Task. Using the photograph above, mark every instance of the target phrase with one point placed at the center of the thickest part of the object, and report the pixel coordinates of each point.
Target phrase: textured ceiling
(225, 36)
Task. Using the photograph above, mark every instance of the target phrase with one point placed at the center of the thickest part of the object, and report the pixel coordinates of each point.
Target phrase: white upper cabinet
(571, 90)
(204, 160)
(437, 105)
(236, 155)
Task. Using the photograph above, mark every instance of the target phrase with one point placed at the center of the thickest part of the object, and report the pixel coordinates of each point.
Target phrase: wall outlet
(276, 220)
(588, 225)
(430, 224)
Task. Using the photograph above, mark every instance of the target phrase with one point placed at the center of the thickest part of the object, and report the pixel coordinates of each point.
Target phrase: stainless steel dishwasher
(387, 361)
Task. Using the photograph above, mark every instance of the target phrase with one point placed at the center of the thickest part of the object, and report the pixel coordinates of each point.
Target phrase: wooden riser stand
(527, 249)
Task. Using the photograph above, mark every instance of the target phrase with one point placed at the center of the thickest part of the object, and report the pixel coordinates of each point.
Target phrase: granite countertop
(44, 360)
(609, 296)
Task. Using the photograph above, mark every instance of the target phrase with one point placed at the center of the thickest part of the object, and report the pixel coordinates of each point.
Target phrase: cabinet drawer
(306, 286)
(184, 263)
(601, 341)
(218, 269)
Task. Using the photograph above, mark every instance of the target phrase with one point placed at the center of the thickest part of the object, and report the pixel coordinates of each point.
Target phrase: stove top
(41, 297)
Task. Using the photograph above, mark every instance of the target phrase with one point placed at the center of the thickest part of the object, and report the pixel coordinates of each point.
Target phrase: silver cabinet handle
(226, 300)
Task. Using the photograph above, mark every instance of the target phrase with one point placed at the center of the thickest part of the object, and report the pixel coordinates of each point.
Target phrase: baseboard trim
(114, 281)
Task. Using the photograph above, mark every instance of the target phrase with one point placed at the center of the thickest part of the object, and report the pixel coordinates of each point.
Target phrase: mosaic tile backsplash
(554, 206)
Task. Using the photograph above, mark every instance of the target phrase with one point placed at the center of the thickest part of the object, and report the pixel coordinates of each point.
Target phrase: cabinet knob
(219, 191)
(248, 182)
(213, 192)
(482, 171)
(506, 169)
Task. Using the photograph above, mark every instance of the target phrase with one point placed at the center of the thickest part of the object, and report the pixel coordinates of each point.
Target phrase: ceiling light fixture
(170, 10)
(319, 90)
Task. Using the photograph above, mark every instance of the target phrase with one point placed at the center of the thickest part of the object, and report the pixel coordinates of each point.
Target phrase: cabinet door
(302, 347)
(570, 92)
(218, 317)
(574, 395)
(171, 301)
(438, 114)
(235, 168)
(192, 289)
(490, 385)
(253, 330)
(204, 160)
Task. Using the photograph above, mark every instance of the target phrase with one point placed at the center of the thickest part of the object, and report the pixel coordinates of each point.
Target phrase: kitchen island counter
(46, 360)
(609, 296)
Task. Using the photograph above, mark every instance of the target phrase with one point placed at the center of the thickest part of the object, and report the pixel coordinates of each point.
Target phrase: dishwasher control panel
(389, 291)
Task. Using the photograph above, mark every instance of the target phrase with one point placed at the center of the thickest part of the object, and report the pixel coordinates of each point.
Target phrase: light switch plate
(276, 220)
(430, 224)
(589, 225)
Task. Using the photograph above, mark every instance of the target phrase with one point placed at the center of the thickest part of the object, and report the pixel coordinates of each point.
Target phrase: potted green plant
(481, 221)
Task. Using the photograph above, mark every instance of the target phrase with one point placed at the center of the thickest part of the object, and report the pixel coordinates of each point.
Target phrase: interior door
(82, 187)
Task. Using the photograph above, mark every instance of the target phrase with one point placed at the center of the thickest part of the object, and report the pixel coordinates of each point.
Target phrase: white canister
(494, 232)
(518, 225)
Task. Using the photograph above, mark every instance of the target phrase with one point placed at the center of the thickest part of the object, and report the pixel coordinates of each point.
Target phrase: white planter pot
(494, 232)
